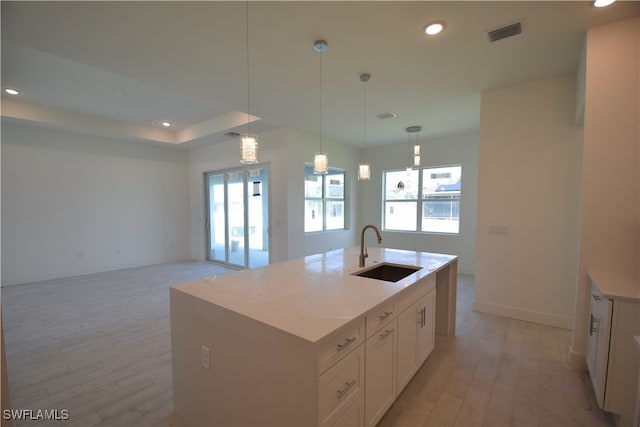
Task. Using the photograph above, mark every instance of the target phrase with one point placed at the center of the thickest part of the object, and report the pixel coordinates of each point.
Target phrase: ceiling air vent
(386, 115)
(504, 32)
(232, 134)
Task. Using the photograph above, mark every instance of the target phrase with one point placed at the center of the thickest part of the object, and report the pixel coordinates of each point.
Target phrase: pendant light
(249, 141)
(416, 148)
(364, 169)
(320, 159)
(414, 153)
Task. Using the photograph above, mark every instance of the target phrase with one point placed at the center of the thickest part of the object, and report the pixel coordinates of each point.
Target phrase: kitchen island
(306, 341)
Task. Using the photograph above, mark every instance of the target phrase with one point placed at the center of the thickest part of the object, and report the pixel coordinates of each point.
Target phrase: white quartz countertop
(615, 286)
(312, 296)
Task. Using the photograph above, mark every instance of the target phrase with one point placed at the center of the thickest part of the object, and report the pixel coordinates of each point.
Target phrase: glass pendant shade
(416, 160)
(249, 149)
(416, 150)
(321, 163)
(364, 172)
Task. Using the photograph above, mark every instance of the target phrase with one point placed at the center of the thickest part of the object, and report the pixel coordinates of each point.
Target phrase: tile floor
(99, 346)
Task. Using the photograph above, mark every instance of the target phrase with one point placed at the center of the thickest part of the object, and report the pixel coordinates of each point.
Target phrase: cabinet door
(380, 373)
(426, 327)
(603, 331)
(408, 322)
(598, 343)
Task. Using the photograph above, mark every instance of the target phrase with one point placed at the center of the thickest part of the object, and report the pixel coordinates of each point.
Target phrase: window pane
(335, 185)
(400, 216)
(335, 214)
(312, 215)
(441, 194)
(436, 181)
(401, 185)
(312, 183)
(441, 215)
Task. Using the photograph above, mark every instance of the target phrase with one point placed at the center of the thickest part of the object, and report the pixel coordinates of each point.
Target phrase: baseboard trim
(523, 314)
(41, 277)
(577, 360)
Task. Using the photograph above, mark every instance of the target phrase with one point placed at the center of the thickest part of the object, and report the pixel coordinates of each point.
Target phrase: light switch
(498, 230)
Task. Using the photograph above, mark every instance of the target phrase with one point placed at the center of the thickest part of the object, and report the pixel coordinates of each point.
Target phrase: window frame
(420, 201)
(326, 199)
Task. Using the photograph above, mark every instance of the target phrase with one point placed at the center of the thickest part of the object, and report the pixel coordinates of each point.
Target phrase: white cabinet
(598, 344)
(416, 328)
(380, 368)
(612, 360)
(354, 416)
(425, 327)
(341, 386)
(265, 375)
(400, 337)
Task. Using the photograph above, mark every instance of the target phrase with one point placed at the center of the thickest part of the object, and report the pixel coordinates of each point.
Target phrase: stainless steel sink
(388, 272)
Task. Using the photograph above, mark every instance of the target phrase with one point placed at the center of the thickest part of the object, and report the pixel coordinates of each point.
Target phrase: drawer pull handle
(346, 344)
(340, 393)
(385, 315)
(386, 333)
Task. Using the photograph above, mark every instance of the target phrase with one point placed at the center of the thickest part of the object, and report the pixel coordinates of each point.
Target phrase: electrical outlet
(205, 357)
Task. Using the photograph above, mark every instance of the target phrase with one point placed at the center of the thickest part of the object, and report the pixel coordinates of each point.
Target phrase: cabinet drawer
(339, 345)
(340, 386)
(353, 417)
(379, 318)
(415, 292)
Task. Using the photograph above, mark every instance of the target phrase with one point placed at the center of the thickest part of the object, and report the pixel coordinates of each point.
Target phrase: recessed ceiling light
(166, 124)
(602, 3)
(11, 91)
(434, 28)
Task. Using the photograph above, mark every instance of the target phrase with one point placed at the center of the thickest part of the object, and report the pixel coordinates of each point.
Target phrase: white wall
(75, 204)
(529, 183)
(285, 151)
(456, 149)
(610, 228)
(301, 147)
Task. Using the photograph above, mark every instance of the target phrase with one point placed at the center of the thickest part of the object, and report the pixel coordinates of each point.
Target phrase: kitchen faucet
(363, 248)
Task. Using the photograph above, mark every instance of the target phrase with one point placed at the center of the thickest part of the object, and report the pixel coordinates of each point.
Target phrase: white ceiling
(121, 67)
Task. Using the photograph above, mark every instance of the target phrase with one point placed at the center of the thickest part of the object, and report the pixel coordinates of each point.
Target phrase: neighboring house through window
(425, 199)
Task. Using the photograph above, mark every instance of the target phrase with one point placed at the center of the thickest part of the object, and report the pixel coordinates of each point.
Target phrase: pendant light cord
(364, 123)
(248, 76)
(321, 102)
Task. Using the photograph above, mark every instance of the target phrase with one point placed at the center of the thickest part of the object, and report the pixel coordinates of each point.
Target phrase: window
(324, 200)
(425, 200)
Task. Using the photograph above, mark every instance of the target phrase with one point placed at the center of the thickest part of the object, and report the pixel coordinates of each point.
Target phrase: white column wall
(610, 231)
(529, 202)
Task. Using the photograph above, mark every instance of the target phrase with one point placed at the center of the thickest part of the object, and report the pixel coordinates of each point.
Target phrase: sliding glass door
(238, 216)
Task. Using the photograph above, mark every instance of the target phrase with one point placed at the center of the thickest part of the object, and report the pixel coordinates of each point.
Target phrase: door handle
(594, 324)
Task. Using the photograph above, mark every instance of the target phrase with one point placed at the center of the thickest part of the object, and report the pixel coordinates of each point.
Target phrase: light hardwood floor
(99, 346)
